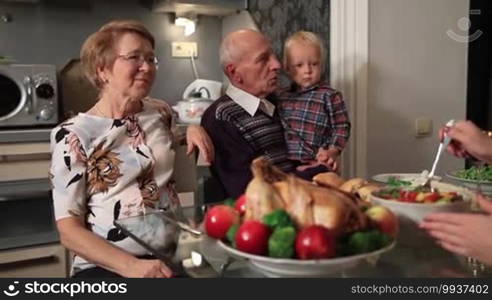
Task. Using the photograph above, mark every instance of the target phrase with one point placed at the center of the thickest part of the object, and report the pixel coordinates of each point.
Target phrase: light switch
(186, 199)
(423, 127)
(184, 49)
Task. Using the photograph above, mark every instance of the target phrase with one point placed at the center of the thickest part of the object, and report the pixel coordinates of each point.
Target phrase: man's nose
(275, 64)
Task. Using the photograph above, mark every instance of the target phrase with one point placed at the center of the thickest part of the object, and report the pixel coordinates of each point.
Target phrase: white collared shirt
(249, 102)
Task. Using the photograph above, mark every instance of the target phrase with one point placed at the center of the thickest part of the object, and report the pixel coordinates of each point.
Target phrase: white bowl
(485, 186)
(410, 215)
(417, 211)
(282, 267)
(383, 178)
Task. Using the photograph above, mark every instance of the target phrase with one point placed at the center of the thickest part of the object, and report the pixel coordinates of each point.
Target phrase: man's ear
(231, 72)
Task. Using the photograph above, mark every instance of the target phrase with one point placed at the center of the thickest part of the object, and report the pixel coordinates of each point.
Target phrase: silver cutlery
(442, 146)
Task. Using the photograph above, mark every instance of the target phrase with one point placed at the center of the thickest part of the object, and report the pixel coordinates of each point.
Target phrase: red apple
(315, 242)
(385, 219)
(252, 237)
(219, 219)
(241, 204)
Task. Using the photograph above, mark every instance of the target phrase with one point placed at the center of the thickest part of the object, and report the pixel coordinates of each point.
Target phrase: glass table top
(414, 255)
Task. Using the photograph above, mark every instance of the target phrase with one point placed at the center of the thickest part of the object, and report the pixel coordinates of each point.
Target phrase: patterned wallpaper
(280, 18)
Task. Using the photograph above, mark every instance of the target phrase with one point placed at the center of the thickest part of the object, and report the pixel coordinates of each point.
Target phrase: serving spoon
(443, 145)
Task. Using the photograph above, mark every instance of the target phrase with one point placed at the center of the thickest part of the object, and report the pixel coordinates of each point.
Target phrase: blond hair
(98, 49)
(305, 38)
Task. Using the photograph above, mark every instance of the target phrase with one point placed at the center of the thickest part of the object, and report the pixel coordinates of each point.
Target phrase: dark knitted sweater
(238, 139)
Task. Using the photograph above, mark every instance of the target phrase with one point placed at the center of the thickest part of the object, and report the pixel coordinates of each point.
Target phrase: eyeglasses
(138, 59)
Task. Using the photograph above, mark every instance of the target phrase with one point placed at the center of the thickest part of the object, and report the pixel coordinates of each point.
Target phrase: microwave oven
(29, 95)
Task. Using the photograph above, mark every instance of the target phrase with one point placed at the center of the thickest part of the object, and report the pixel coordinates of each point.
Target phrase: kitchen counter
(418, 257)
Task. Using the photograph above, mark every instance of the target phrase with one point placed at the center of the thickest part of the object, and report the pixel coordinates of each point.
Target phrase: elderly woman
(116, 160)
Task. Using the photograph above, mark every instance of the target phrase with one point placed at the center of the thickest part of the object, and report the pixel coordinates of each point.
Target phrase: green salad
(483, 173)
(394, 181)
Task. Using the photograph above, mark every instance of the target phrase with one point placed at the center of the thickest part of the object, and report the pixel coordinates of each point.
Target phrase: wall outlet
(423, 127)
(184, 49)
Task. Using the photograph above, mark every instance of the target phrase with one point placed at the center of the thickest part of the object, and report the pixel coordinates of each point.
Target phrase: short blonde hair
(305, 38)
(98, 49)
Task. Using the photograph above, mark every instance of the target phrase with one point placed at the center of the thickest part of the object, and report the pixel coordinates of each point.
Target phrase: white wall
(415, 70)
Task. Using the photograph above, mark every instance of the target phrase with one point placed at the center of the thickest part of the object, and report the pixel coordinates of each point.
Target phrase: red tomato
(403, 196)
(408, 196)
(432, 198)
(241, 204)
(315, 242)
(252, 237)
(219, 219)
(412, 196)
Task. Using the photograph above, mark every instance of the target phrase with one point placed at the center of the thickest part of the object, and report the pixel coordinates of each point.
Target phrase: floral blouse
(104, 169)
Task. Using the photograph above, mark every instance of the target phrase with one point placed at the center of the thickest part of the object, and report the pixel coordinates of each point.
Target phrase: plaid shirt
(313, 118)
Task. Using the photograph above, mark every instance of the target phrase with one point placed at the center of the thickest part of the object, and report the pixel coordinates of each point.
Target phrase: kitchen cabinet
(29, 242)
(19, 161)
(37, 261)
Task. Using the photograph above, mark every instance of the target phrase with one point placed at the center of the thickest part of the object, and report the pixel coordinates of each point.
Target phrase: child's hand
(331, 164)
(324, 155)
(308, 165)
(328, 157)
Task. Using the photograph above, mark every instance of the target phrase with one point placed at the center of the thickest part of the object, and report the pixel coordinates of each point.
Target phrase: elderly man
(243, 124)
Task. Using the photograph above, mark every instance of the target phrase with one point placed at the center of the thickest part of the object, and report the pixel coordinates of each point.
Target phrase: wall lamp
(188, 21)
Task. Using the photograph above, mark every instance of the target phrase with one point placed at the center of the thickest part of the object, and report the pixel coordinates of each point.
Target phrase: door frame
(349, 59)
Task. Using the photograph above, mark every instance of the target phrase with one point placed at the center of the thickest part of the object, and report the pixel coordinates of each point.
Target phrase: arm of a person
(464, 234)
(340, 124)
(468, 139)
(233, 156)
(195, 136)
(340, 128)
(328, 157)
(324, 155)
(75, 237)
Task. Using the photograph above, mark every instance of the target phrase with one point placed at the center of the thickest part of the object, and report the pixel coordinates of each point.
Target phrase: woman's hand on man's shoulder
(196, 136)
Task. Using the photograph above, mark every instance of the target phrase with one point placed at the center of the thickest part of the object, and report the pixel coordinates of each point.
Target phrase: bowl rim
(420, 205)
(452, 174)
(307, 262)
(374, 177)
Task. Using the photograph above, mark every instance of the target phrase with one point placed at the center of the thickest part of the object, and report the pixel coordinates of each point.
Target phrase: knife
(181, 225)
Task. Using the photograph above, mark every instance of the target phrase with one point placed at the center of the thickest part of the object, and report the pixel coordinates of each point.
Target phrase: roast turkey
(306, 203)
(262, 197)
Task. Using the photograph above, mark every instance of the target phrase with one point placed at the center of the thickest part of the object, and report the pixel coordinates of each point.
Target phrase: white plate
(485, 186)
(282, 267)
(383, 178)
